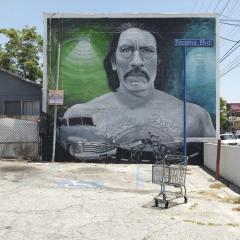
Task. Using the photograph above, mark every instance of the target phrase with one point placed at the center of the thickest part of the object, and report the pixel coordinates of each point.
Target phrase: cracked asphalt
(86, 201)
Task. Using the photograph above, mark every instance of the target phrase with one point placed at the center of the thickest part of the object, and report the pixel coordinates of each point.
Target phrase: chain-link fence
(19, 138)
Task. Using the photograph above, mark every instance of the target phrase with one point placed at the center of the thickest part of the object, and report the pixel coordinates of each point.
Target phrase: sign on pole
(189, 43)
(55, 97)
(193, 43)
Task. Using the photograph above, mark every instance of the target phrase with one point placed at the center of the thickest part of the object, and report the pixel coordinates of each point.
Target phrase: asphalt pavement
(86, 201)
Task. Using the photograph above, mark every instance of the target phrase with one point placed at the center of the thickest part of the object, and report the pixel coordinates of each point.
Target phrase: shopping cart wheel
(156, 202)
(166, 204)
(185, 199)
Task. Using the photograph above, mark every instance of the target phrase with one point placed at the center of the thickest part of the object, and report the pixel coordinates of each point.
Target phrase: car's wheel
(136, 156)
(70, 150)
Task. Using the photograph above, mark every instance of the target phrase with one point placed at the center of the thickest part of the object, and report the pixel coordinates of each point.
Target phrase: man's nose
(137, 60)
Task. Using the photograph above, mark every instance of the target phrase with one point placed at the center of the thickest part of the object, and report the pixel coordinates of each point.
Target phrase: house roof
(234, 107)
(21, 78)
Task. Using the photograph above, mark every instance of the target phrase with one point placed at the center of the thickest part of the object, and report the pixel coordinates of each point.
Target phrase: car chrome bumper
(92, 155)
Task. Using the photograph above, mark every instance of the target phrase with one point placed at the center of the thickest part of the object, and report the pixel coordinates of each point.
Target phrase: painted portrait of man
(134, 107)
(127, 76)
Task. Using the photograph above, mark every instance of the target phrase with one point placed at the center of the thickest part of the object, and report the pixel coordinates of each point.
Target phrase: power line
(194, 5)
(230, 20)
(210, 3)
(230, 51)
(234, 61)
(223, 15)
(235, 28)
(234, 67)
(230, 24)
(227, 39)
(225, 7)
(217, 5)
(203, 2)
(233, 7)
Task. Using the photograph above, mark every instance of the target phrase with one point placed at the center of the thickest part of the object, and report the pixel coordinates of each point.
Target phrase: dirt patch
(216, 196)
(211, 223)
(217, 185)
(237, 209)
(90, 170)
(210, 194)
(201, 223)
(17, 169)
(233, 200)
(233, 224)
(139, 191)
(193, 206)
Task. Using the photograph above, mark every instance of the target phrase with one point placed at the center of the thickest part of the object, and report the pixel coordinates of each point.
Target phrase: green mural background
(84, 41)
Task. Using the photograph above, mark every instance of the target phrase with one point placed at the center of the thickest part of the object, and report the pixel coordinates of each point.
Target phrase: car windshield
(75, 121)
(227, 137)
(81, 121)
(87, 121)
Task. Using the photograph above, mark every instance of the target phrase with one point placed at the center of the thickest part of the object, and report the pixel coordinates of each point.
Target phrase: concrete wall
(229, 161)
(18, 138)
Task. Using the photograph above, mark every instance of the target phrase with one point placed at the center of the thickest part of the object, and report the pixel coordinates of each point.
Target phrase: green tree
(21, 53)
(224, 122)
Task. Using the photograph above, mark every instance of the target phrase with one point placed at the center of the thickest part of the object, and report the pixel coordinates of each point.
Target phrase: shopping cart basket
(170, 171)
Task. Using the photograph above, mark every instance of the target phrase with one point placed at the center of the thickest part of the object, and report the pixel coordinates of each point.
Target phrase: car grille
(97, 147)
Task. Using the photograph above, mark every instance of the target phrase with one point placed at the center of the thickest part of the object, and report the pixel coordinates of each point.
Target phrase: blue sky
(17, 14)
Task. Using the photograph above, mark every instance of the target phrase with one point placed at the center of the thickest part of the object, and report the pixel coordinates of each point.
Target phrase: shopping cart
(170, 171)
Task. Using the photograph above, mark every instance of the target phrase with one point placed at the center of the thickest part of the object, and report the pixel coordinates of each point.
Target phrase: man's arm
(199, 122)
(208, 129)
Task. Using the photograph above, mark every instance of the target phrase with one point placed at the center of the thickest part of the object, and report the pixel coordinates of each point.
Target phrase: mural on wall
(123, 84)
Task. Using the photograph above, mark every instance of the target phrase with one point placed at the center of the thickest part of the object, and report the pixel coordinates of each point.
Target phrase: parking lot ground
(110, 201)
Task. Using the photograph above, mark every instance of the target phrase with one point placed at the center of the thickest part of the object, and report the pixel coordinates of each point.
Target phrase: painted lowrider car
(83, 140)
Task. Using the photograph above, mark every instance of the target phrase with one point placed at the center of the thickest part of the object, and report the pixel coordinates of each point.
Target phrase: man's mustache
(136, 72)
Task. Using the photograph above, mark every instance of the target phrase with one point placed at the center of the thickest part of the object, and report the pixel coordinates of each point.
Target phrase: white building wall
(229, 161)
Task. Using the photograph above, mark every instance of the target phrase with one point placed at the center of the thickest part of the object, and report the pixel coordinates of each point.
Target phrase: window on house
(27, 108)
(12, 108)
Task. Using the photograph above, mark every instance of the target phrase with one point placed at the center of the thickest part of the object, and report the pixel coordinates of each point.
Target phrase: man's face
(136, 59)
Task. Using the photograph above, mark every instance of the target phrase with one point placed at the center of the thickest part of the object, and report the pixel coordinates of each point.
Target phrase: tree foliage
(224, 122)
(21, 53)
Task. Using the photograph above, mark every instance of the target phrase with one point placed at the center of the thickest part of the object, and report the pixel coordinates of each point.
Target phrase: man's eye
(147, 50)
(126, 50)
